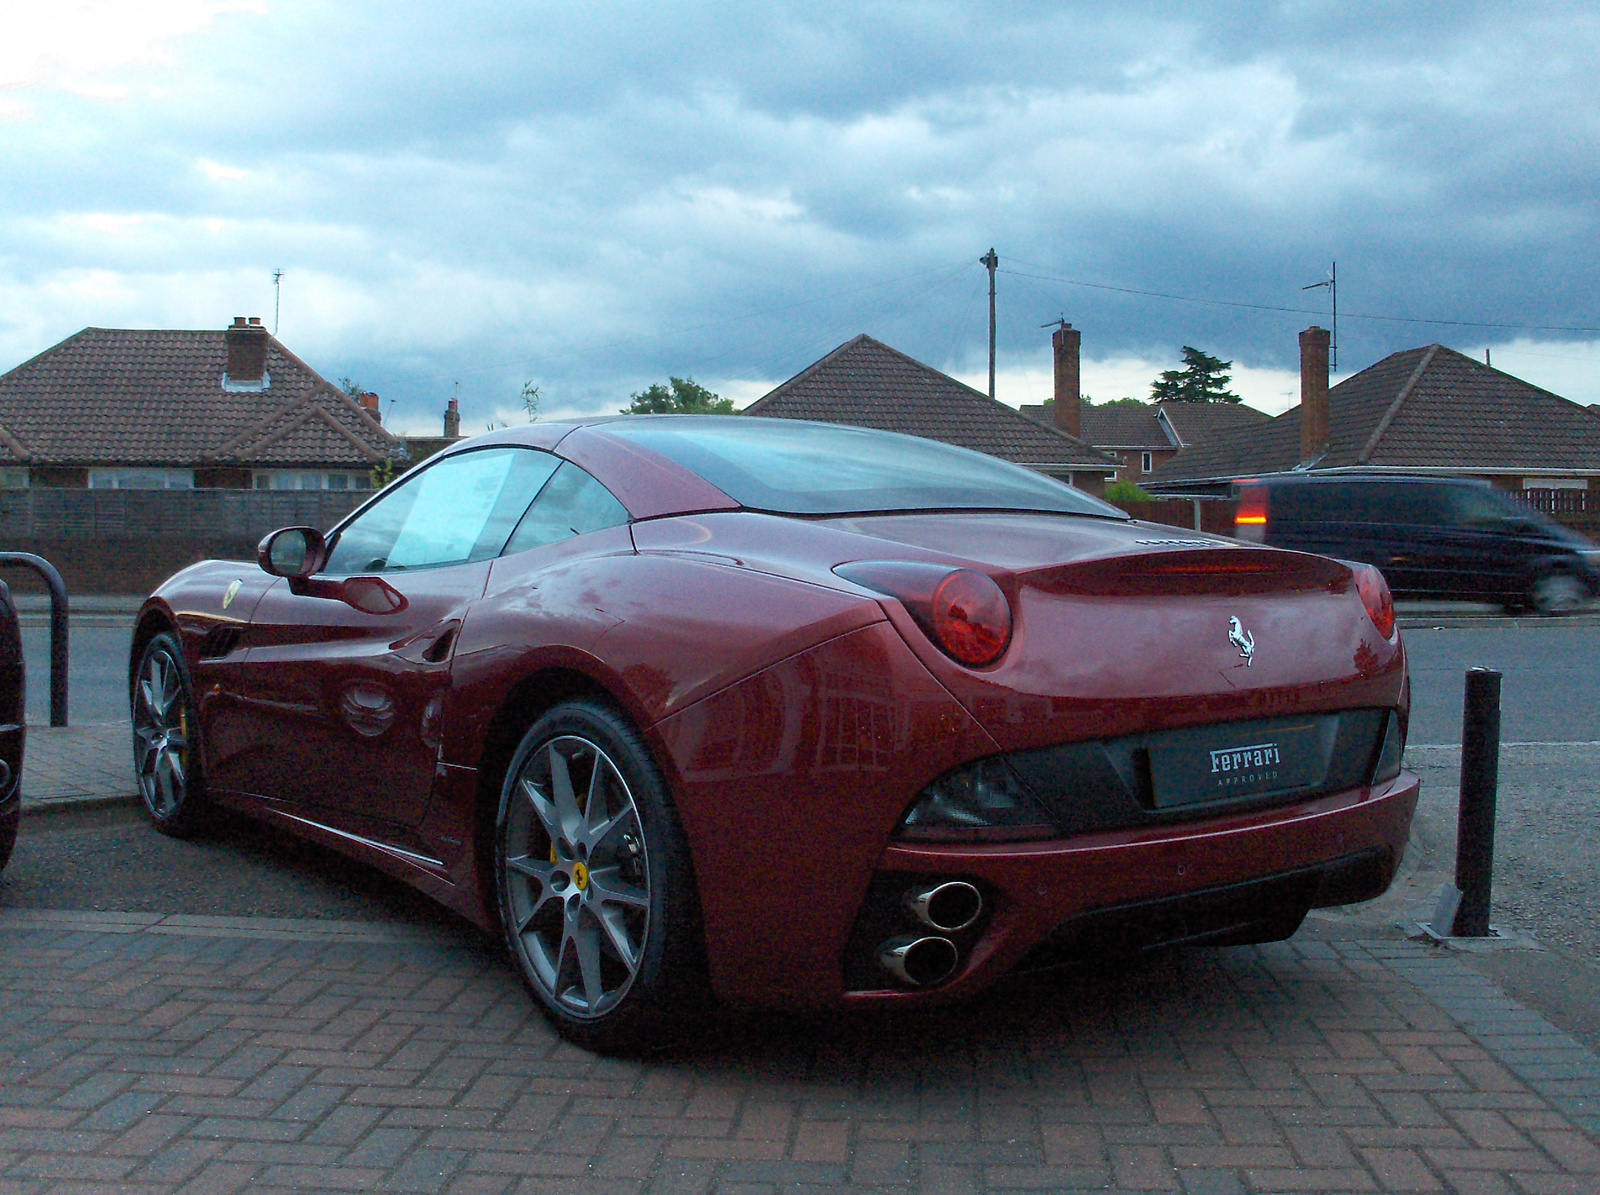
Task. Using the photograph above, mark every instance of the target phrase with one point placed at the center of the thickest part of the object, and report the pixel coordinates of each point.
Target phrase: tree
(530, 400)
(1050, 403)
(684, 396)
(353, 388)
(1203, 378)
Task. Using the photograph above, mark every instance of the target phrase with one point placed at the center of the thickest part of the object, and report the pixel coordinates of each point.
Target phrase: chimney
(452, 421)
(247, 351)
(369, 404)
(1313, 393)
(1066, 341)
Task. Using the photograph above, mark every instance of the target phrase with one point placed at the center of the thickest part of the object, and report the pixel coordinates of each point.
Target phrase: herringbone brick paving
(144, 1060)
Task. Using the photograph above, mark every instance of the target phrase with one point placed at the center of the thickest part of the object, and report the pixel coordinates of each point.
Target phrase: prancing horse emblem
(1243, 640)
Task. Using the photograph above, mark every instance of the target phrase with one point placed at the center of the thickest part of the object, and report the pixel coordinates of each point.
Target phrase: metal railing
(58, 628)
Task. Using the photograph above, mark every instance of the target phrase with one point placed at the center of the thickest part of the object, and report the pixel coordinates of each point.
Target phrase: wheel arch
(152, 622)
(522, 706)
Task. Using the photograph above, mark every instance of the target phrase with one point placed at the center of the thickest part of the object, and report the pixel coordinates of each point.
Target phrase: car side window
(571, 503)
(455, 511)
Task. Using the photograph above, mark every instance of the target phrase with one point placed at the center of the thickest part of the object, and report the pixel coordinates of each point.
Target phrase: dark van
(1431, 537)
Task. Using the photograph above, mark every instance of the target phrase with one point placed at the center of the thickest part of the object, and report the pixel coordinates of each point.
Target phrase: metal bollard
(58, 628)
(1480, 778)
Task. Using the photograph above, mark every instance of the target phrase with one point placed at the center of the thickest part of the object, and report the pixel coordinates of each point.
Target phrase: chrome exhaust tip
(948, 907)
(920, 962)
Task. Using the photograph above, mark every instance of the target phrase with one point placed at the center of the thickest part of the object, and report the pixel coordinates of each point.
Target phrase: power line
(1395, 319)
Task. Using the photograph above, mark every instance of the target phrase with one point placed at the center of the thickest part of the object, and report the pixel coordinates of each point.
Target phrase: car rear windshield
(790, 466)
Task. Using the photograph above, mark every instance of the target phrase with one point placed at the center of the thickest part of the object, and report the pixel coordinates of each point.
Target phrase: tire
(166, 740)
(1557, 593)
(9, 821)
(595, 886)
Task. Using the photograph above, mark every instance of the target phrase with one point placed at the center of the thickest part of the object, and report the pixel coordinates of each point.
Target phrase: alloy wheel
(577, 876)
(161, 734)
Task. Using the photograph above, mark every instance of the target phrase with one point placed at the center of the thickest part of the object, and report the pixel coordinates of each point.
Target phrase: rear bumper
(1049, 897)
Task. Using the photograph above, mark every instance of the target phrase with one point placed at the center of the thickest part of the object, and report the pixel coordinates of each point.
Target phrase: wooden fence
(1197, 514)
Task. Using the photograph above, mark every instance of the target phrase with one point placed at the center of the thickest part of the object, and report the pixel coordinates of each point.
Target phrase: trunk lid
(1124, 628)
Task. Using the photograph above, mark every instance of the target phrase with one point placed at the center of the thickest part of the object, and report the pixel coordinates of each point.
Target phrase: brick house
(865, 383)
(112, 408)
(1140, 439)
(1423, 411)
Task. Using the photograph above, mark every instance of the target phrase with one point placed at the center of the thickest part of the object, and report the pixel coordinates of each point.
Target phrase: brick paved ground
(141, 1053)
(77, 765)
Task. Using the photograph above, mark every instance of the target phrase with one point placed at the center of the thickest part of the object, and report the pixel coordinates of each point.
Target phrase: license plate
(1214, 763)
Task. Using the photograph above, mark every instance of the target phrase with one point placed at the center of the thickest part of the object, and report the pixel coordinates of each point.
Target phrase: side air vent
(219, 641)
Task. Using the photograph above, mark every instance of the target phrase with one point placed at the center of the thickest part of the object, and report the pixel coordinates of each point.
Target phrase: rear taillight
(963, 611)
(1250, 521)
(1375, 596)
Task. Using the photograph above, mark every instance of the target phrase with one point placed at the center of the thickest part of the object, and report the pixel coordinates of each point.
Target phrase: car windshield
(790, 466)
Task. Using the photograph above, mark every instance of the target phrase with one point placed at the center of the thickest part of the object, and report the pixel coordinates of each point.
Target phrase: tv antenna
(1332, 283)
(277, 294)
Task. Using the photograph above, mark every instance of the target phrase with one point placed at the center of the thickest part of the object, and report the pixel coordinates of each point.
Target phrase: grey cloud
(598, 198)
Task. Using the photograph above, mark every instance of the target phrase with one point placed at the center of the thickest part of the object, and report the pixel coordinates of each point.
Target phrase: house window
(141, 479)
(312, 479)
(13, 478)
(1146, 462)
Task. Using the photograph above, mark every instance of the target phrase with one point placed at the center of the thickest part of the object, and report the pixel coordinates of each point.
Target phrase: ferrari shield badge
(1243, 640)
(233, 591)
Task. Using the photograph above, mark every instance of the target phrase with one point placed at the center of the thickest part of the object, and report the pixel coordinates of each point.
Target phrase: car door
(348, 703)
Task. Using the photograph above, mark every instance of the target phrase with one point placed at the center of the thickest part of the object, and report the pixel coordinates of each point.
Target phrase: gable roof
(865, 383)
(1191, 422)
(1155, 426)
(1424, 408)
(117, 396)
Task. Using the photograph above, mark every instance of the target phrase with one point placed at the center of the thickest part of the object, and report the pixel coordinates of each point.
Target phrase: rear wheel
(595, 887)
(1558, 593)
(166, 754)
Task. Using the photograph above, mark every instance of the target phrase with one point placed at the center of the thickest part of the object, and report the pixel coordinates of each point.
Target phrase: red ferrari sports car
(787, 714)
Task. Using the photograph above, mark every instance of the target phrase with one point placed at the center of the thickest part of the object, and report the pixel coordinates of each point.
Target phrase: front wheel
(595, 886)
(1558, 593)
(166, 733)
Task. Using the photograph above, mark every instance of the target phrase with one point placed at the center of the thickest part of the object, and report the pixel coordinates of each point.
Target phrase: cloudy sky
(595, 197)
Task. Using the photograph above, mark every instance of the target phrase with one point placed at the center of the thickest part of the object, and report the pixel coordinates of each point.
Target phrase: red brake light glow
(1375, 596)
(971, 617)
(1252, 510)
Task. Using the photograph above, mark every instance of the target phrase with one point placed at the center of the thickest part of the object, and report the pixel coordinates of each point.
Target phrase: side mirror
(293, 552)
(299, 552)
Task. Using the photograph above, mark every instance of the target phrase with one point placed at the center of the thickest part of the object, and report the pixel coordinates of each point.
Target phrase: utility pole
(993, 263)
(277, 294)
(1332, 284)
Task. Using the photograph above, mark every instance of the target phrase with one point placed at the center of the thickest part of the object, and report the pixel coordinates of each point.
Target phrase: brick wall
(129, 541)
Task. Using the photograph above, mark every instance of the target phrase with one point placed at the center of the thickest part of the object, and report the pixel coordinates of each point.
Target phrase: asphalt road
(1551, 687)
(97, 661)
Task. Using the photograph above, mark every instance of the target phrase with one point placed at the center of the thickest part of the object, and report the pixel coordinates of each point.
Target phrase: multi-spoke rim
(161, 734)
(577, 876)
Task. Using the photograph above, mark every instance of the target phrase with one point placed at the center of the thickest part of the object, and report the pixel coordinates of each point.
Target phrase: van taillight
(1250, 522)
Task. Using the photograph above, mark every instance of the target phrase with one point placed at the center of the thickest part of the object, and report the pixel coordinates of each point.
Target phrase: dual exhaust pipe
(924, 960)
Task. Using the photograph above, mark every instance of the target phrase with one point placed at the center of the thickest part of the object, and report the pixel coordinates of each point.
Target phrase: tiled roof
(1156, 426)
(112, 396)
(865, 383)
(1425, 408)
(1192, 422)
(1109, 427)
